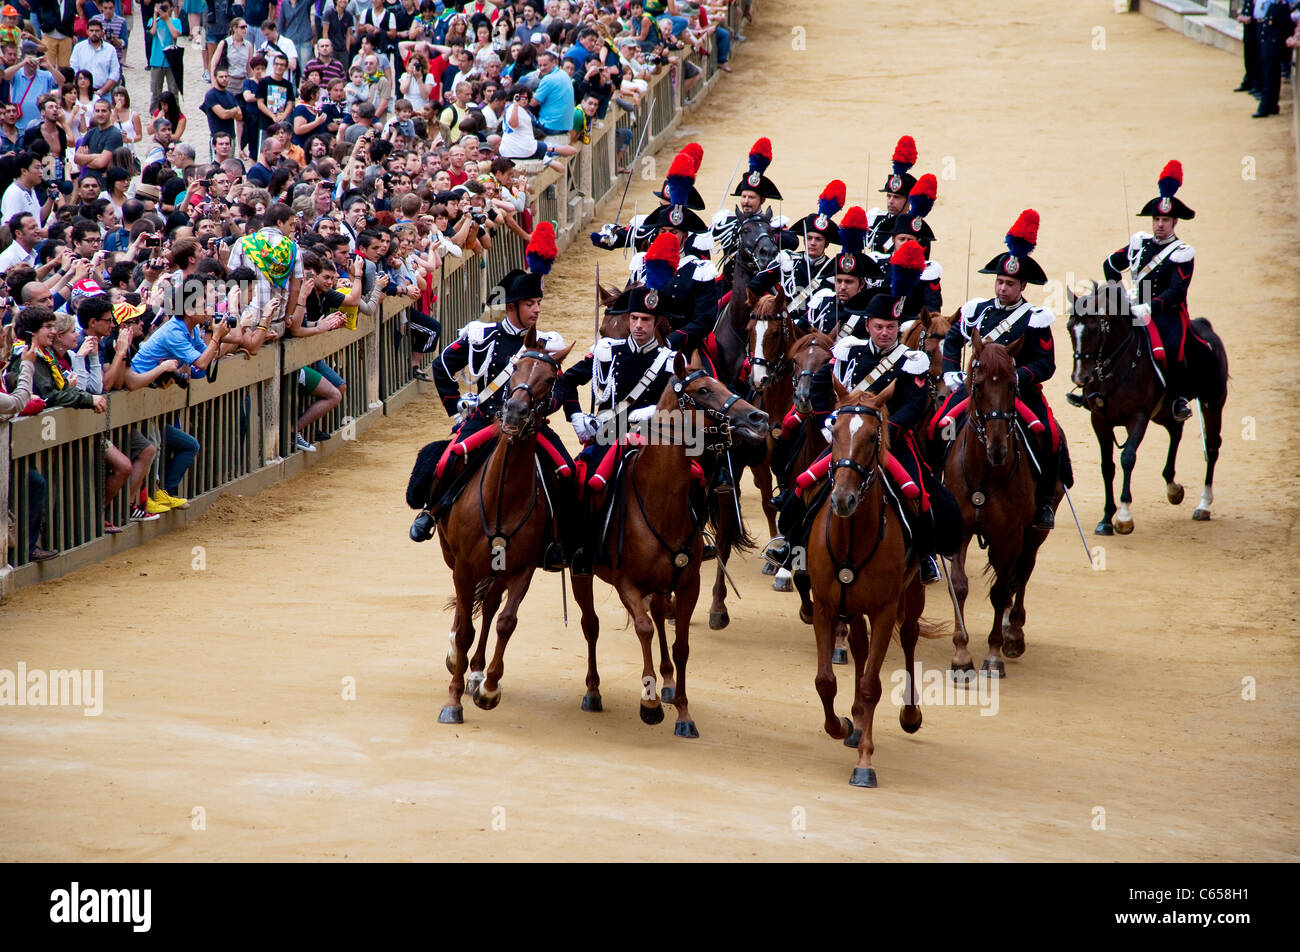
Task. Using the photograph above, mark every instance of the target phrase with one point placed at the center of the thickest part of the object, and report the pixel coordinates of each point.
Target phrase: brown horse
(989, 473)
(926, 334)
(859, 565)
(770, 332)
(1113, 365)
(492, 536)
(657, 548)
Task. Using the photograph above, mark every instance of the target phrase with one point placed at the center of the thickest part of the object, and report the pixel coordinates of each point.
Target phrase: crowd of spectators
(351, 146)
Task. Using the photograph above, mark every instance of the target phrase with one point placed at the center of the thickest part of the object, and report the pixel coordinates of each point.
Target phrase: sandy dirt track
(223, 687)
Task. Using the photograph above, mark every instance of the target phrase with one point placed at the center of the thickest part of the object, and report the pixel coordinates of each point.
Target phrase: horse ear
(1014, 349)
(882, 398)
(750, 299)
(679, 365)
(739, 213)
(976, 341)
(798, 331)
(926, 317)
(767, 213)
(530, 339)
(841, 393)
(560, 355)
(1069, 298)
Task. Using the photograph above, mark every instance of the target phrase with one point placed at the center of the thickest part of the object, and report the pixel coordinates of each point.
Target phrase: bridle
(847, 570)
(763, 244)
(535, 405)
(801, 374)
(777, 366)
(872, 467)
(718, 436)
(981, 418)
(1103, 368)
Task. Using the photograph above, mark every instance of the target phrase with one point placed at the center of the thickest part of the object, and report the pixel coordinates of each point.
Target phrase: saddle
(611, 513)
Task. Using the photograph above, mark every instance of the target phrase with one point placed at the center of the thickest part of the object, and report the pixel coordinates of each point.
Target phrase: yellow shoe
(155, 508)
(170, 501)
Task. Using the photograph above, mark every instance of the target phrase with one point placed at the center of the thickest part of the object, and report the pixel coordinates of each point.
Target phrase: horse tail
(932, 630)
(481, 589)
(729, 532)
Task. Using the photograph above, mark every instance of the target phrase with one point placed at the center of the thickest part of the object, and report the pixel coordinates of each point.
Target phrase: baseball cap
(126, 311)
(30, 47)
(8, 11)
(537, 38)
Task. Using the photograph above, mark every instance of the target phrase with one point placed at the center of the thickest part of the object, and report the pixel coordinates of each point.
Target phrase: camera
(153, 241)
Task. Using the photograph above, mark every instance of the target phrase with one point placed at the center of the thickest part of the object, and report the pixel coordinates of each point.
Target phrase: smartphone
(153, 242)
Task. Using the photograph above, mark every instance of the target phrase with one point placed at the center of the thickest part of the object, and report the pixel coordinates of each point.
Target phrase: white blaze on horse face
(1078, 349)
(760, 371)
(855, 424)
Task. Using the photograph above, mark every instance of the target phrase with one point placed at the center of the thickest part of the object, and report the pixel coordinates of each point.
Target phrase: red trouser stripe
(561, 464)
(945, 417)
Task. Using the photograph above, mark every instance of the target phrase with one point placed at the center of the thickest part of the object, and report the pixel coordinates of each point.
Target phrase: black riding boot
(1177, 387)
(566, 539)
(425, 523)
(422, 527)
(789, 523)
(1045, 496)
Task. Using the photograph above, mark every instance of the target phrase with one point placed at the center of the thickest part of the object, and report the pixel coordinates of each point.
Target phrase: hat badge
(754, 178)
(821, 221)
(898, 308)
(652, 299)
(1166, 205)
(1012, 264)
(895, 183)
(847, 262)
(675, 216)
(918, 223)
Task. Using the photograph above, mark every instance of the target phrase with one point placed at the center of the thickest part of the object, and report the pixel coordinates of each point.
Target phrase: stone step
(1218, 8)
(1220, 32)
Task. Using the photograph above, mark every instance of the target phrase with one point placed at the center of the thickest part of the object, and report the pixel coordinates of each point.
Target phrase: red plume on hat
(832, 198)
(541, 251)
(760, 155)
(696, 152)
(660, 262)
(853, 230)
(904, 155)
(923, 194)
(681, 176)
(1023, 235)
(905, 267)
(1171, 178)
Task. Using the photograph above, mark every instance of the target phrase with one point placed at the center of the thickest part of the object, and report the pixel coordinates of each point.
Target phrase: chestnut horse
(1113, 365)
(656, 547)
(860, 565)
(989, 473)
(492, 536)
(770, 332)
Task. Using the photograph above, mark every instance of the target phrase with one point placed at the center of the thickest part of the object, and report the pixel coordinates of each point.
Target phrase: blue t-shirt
(578, 53)
(555, 97)
(161, 41)
(172, 341)
(40, 84)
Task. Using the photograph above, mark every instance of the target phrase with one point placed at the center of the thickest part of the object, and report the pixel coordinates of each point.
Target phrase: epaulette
(1183, 255)
(932, 271)
(1041, 317)
(916, 363)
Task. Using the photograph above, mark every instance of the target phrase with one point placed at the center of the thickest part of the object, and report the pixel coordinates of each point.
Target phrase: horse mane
(997, 360)
(769, 305)
(807, 340)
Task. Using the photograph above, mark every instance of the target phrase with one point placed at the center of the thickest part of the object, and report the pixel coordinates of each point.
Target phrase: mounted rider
(898, 186)
(857, 278)
(637, 234)
(803, 274)
(1005, 319)
(874, 363)
(483, 355)
(1160, 265)
(753, 190)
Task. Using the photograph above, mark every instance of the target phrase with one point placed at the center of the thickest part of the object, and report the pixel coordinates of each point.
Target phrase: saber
(970, 233)
(628, 184)
(631, 231)
(1082, 538)
(952, 593)
(727, 190)
(594, 338)
(713, 540)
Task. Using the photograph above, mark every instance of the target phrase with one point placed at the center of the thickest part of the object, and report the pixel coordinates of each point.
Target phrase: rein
(976, 422)
(1102, 370)
(849, 571)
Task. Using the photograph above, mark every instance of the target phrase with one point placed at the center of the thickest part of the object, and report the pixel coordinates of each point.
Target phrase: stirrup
(553, 558)
(423, 526)
(1076, 399)
(777, 552)
(1181, 409)
(930, 570)
(1045, 519)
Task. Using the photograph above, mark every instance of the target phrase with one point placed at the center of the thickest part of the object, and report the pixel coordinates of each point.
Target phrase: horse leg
(718, 617)
(913, 603)
(857, 635)
(582, 595)
(1212, 420)
(688, 593)
(962, 668)
(803, 585)
(824, 619)
(1106, 443)
(840, 654)
(1173, 490)
(1013, 626)
(1127, 460)
(1000, 596)
(464, 580)
(488, 694)
(882, 626)
(652, 710)
(658, 609)
(491, 602)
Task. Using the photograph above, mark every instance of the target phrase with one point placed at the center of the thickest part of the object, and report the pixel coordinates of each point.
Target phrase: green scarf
(274, 261)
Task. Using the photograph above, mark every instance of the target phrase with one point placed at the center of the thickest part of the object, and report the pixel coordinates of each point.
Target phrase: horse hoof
(993, 669)
(805, 615)
(863, 777)
(667, 693)
(783, 584)
(1124, 528)
(1201, 515)
(1175, 494)
(484, 701)
(840, 656)
(652, 715)
(451, 714)
(1104, 529)
(769, 568)
(685, 729)
(719, 620)
(962, 674)
(591, 702)
(853, 738)
(1013, 647)
(909, 728)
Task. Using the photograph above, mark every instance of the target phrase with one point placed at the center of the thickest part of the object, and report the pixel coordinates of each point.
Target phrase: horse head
(768, 329)
(809, 351)
(926, 335)
(858, 438)
(532, 386)
(611, 325)
(698, 392)
(993, 391)
(759, 244)
(1098, 322)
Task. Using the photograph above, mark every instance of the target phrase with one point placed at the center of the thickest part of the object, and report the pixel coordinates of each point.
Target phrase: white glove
(720, 216)
(641, 414)
(1141, 313)
(584, 425)
(787, 263)
(1132, 295)
(467, 403)
(953, 379)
